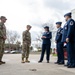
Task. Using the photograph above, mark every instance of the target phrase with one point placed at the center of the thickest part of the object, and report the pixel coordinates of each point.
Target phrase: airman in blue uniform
(46, 45)
(68, 37)
(59, 44)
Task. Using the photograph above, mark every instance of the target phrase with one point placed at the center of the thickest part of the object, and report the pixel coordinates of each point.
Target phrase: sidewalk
(13, 66)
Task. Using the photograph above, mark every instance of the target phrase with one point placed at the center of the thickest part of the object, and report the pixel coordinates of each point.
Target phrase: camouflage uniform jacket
(26, 37)
(2, 31)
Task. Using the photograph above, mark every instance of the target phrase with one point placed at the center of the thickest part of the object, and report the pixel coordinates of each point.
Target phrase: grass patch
(54, 54)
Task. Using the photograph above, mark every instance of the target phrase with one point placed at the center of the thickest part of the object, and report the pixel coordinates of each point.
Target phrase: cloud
(61, 5)
(34, 12)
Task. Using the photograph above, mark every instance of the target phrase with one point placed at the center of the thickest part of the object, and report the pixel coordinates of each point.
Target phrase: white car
(35, 49)
(6, 51)
(12, 52)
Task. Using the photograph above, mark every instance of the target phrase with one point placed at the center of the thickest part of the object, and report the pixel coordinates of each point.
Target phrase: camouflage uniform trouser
(25, 51)
(2, 44)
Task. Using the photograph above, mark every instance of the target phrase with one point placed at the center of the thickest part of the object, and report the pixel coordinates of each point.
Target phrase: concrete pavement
(14, 66)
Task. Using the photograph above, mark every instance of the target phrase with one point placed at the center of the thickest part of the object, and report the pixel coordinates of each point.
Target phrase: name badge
(48, 33)
(58, 30)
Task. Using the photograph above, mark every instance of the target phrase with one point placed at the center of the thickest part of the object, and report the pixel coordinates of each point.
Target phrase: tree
(12, 37)
(18, 45)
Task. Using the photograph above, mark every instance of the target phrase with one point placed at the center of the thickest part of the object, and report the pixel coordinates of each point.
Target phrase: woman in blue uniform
(46, 45)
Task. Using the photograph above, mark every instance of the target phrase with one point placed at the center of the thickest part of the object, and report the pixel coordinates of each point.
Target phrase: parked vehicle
(15, 51)
(6, 51)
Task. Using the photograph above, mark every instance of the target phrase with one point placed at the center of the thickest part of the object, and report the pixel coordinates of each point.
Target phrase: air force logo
(71, 23)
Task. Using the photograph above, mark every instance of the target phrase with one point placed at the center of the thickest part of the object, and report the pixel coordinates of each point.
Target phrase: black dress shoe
(66, 65)
(2, 62)
(56, 63)
(69, 66)
(61, 63)
(39, 61)
(47, 61)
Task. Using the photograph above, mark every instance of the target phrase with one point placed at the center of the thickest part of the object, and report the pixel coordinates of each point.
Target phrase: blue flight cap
(46, 27)
(58, 23)
(68, 14)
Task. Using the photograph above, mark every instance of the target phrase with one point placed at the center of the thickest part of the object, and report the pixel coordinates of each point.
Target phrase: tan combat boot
(27, 60)
(23, 60)
(2, 62)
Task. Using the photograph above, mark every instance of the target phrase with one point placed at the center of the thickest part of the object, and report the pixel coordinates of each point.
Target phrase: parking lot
(14, 66)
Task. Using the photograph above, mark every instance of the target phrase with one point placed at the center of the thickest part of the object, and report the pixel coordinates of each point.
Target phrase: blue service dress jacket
(48, 38)
(69, 31)
(59, 35)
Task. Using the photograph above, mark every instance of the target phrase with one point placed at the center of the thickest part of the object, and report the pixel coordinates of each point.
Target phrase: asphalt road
(14, 66)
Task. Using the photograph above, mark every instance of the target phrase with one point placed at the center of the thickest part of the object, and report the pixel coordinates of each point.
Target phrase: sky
(34, 12)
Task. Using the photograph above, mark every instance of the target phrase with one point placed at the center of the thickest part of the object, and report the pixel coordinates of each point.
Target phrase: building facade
(73, 14)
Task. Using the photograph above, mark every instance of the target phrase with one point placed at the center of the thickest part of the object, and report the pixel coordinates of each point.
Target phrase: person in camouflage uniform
(26, 44)
(2, 37)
